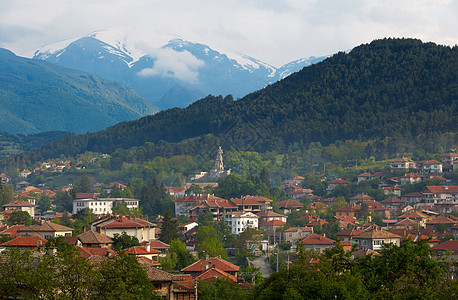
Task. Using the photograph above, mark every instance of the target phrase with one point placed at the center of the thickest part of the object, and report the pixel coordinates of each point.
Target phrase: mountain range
(401, 89)
(173, 75)
(37, 96)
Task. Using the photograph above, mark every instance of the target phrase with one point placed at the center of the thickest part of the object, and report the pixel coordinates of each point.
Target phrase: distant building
(101, 206)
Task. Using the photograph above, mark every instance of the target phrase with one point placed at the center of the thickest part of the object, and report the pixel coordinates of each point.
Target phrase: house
(21, 205)
(446, 207)
(410, 179)
(359, 198)
(240, 221)
(402, 163)
(204, 264)
(295, 234)
(333, 184)
(449, 159)
(435, 194)
(288, 206)
(406, 223)
(144, 251)
(268, 215)
(139, 228)
(158, 245)
(391, 190)
(101, 206)
(432, 166)
(114, 186)
(412, 198)
(247, 204)
(271, 226)
(186, 227)
(345, 221)
(162, 282)
(447, 247)
(176, 191)
(348, 234)
(297, 180)
(365, 176)
(11, 231)
(349, 210)
(393, 203)
(46, 230)
(26, 242)
(4, 179)
(419, 217)
(217, 207)
(316, 242)
(93, 239)
(24, 173)
(375, 238)
(434, 222)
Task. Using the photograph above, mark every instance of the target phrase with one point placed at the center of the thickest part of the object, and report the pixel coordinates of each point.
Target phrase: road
(259, 262)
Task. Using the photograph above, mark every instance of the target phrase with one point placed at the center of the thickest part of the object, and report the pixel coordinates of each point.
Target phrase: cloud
(181, 65)
(273, 31)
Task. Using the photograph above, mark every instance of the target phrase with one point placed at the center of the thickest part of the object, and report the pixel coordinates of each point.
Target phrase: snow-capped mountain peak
(178, 68)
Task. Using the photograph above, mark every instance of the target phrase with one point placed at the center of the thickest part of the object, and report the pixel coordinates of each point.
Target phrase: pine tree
(169, 227)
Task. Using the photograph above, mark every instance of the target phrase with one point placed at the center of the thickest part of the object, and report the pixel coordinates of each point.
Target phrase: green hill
(399, 88)
(37, 96)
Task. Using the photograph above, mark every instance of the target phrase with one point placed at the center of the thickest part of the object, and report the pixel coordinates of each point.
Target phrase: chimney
(207, 257)
(148, 247)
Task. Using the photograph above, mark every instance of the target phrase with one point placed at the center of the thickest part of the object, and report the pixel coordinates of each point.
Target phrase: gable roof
(315, 239)
(392, 200)
(93, 237)
(438, 189)
(17, 203)
(349, 232)
(290, 204)
(46, 226)
(377, 234)
(212, 273)
(141, 250)
(157, 244)
(219, 263)
(26, 242)
(451, 245)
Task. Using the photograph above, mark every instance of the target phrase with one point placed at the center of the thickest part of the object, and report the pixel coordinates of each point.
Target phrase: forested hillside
(37, 96)
(398, 88)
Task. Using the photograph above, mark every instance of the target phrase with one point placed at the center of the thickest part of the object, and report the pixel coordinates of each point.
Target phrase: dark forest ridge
(390, 87)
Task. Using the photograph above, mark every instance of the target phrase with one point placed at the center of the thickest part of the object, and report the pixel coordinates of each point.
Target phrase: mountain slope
(193, 69)
(38, 96)
(399, 88)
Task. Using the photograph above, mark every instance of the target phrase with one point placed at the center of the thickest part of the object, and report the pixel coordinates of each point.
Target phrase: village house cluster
(429, 214)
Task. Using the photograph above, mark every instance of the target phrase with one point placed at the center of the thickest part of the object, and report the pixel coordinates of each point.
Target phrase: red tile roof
(349, 232)
(337, 181)
(315, 239)
(290, 204)
(451, 245)
(26, 242)
(141, 250)
(219, 263)
(212, 273)
(19, 204)
(46, 226)
(392, 200)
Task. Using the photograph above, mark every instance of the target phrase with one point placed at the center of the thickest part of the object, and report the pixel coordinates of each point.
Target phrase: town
(241, 239)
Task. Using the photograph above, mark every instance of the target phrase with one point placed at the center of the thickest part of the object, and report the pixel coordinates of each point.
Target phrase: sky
(275, 32)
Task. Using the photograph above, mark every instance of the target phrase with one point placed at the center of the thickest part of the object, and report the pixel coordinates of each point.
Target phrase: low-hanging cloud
(181, 65)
